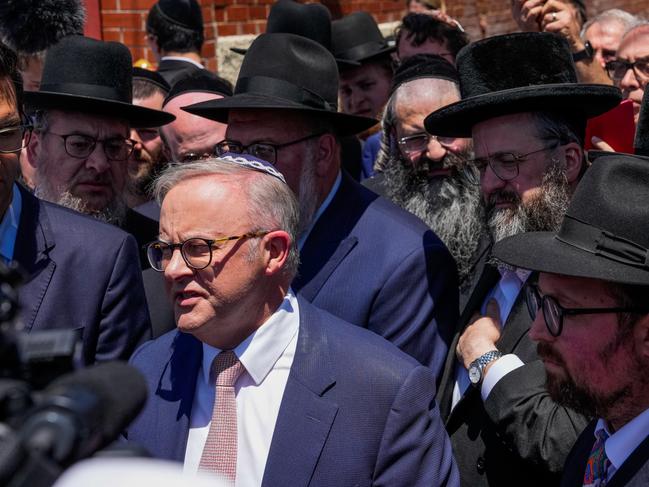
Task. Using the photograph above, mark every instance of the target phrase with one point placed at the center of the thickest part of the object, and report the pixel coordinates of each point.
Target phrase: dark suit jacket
(173, 70)
(634, 472)
(81, 274)
(518, 436)
(375, 265)
(355, 410)
(143, 229)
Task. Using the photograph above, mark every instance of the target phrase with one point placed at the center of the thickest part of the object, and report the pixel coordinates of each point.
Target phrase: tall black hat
(356, 38)
(88, 75)
(604, 232)
(513, 73)
(184, 13)
(286, 72)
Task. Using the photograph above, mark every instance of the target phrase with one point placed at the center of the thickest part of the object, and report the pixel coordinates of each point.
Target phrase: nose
(97, 159)
(538, 330)
(629, 82)
(489, 182)
(177, 268)
(434, 150)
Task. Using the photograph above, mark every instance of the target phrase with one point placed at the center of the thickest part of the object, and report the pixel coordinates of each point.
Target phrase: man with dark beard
(527, 115)
(591, 318)
(423, 174)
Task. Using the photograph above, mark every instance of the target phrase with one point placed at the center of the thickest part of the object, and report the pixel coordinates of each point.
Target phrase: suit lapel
(305, 415)
(635, 463)
(573, 473)
(33, 243)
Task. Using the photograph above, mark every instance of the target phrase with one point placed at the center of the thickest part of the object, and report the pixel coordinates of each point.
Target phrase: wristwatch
(586, 53)
(476, 369)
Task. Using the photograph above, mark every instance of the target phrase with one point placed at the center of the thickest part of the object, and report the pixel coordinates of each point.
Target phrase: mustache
(545, 351)
(502, 196)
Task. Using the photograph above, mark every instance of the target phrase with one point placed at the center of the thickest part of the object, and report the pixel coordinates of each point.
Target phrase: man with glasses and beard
(527, 115)
(424, 174)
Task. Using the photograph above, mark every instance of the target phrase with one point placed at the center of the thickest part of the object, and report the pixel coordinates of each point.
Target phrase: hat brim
(342, 63)
(218, 110)
(553, 256)
(345, 62)
(137, 116)
(587, 100)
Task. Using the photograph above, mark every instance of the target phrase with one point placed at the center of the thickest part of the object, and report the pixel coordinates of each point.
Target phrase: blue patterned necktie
(598, 463)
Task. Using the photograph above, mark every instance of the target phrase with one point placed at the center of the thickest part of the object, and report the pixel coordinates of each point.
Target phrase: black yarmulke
(203, 81)
(185, 13)
(152, 77)
(424, 66)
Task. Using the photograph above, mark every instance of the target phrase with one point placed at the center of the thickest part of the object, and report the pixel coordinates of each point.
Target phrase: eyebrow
(10, 122)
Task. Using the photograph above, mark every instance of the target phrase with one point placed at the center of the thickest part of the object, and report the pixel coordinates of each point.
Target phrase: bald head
(191, 137)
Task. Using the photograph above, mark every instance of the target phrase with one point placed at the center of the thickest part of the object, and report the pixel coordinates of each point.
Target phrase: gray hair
(271, 203)
(628, 20)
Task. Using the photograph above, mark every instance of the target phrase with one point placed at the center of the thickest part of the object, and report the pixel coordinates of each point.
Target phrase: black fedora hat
(356, 38)
(513, 73)
(87, 75)
(286, 72)
(604, 232)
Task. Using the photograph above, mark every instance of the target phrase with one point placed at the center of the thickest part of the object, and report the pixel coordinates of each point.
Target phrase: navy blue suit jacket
(81, 274)
(355, 411)
(375, 265)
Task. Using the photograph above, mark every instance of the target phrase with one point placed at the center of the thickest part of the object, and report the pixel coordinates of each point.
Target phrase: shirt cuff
(499, 369)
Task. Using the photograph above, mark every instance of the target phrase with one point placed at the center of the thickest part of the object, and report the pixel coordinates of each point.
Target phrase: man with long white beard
(527, 114)
(425, 174)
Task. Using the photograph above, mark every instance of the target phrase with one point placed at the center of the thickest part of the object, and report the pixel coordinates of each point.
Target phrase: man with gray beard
(527, 114)
(426, 175)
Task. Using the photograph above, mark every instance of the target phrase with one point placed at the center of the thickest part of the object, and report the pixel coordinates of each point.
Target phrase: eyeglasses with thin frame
(196, 252)
(81, 146)
(618, 68)
(553, 312)
(503, 164)
(261, 150)
(419, 142)
(14, 139)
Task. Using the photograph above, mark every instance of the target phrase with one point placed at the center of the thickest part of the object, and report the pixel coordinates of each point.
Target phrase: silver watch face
(474, 374)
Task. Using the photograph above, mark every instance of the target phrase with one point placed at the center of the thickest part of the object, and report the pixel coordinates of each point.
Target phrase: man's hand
(599, 144)
(480, 336)
(560, 17)
(527, 14)
(443, 17)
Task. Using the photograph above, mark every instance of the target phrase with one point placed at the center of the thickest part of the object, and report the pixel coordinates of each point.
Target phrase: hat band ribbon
(362, 51)
(263, 85)
(602, 243)
(108, 93)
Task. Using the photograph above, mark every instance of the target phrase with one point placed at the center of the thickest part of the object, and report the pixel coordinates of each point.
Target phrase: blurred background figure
(604, 32)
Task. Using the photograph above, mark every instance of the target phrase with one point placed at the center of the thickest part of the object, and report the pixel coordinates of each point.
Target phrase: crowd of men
(371, 261)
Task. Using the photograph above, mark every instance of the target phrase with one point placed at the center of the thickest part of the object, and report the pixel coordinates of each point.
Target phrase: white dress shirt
(182, 58)
(267, 356)
(621, 444)
(505, 293)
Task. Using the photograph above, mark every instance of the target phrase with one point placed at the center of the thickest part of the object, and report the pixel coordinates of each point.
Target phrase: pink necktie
(220, 451)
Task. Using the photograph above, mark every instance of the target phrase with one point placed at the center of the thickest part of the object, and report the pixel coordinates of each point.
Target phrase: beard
(450, 205)
(308, 193)
(544, 213)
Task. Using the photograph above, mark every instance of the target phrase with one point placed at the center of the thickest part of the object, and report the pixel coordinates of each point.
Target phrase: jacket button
(480, 465)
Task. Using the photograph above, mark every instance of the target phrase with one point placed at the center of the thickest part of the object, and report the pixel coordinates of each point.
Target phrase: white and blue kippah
(251, 162)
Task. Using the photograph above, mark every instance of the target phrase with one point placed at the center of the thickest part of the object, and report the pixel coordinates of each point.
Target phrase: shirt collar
(325, 204)
(262, 349)
(9, 224)
(624, 441)
(180, 58)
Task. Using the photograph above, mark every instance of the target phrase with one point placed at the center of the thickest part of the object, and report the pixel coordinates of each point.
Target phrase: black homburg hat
(356, 38)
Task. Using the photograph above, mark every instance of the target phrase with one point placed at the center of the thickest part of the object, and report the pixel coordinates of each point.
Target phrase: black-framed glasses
(261, 150)
(196, 252)
(503, 164)
(419, 142)
(81, 146)
(617, 69)
(553, 312)
(14, 139)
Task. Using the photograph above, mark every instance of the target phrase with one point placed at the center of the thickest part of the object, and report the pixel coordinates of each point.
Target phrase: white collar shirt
(181, 58)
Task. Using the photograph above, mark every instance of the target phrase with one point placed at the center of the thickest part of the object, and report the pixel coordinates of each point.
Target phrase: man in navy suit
(362, 258)
(79, 273)
(315, 400)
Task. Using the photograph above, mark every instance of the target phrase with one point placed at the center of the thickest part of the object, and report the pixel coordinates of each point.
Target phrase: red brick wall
(124, 20)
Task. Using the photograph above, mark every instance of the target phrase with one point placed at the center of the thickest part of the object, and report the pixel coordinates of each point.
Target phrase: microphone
(82, 412)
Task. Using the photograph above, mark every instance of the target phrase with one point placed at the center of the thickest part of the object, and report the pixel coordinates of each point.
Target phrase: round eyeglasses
(261, 150)
(14, 139)
(196, 252)
(81, 146)
(553, 312)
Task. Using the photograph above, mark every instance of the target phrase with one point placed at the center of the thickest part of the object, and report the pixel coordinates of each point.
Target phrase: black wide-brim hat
(91, 76)
(515, 73)
(356, 39)
(286, 72)
(604, 232)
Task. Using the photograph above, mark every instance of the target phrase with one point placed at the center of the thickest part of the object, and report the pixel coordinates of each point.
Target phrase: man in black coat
(526, 113)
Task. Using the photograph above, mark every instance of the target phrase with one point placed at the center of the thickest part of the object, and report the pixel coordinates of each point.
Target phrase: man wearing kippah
(527, 114)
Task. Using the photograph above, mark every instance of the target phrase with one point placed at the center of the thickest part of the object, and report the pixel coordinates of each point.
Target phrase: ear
(327, 155)
(275, 247)
(574, 157)
(34, 149)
